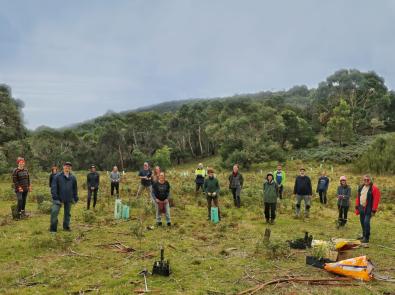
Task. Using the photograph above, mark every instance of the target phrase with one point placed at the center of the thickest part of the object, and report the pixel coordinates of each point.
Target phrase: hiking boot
(271, 221)
(169, 224)
(267, 221)
(159, 223)
(365, 241)
(67, 229)
(360, 238)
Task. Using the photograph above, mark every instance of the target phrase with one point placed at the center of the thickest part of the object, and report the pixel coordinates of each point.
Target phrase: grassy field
(205, 258)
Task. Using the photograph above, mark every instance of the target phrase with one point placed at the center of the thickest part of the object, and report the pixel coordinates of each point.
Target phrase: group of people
(64, 192)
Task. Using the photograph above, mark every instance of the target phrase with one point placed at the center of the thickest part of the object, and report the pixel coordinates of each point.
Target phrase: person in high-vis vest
(200, 176)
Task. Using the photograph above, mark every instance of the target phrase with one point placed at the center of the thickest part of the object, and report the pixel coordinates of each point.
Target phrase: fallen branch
(259, 287)
(74, 253)
(117, 246)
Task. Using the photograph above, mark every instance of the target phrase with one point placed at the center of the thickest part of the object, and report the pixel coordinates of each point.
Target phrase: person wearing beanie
(64, 191)
(211, 188)
(22, 186)
(200, 176)
(366, 205)
(236, 184)
(343, 200)
(322, 187)
(92, 183)
(270, 195)
(303, 191)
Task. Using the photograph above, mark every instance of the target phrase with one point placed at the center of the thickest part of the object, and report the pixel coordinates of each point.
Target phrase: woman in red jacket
(366, 205)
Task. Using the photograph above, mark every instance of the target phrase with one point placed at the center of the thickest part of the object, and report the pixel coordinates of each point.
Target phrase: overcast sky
(73, 60)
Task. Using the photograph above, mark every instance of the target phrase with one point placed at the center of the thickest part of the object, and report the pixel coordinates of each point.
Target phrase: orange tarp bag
(359, 268)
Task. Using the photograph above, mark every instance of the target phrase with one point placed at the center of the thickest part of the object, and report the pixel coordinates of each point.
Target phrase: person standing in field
(366, 205)
(155, 174)
(161, 193)
(64, 191)
(270, 195)
(322, 187)
(22, 186)
(92, 183)
(302, 191)
(115, 178)
(54, 171)
(145, 175)
(200, 176)
(343, 200)
(211, 189)
(236, 182)
(279, 178)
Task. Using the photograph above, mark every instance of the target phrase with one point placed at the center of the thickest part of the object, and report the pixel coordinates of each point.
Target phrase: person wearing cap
(279, 178)
(64, 191)
(145, 176)
(92, 183)
(270, 195)
(302, 191)
(200, 175)
(211, 189)
(322, 187)
(343, 200)
(366, 205)
(236, 182)
(22, 186)
(115, 178)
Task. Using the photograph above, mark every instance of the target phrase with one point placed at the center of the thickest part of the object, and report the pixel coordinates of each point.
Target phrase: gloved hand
(214, 194)
(356, 210)
(209, 194)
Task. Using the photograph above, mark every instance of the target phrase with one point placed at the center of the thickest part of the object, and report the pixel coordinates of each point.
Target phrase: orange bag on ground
(359, 268)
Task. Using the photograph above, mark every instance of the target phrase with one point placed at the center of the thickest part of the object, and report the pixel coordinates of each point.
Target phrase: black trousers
(343, 210)
(114, 185)
(90, 192)
(199, 186)
(322, 197)
(280, 191)
(270, 211)
(236, 196)
(21, 197)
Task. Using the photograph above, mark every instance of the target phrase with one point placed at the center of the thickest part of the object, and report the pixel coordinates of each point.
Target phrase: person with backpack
(211, 189)
(92, 183)
(366, 205)
(161, 193)
(343, 200)
(270, 195)
(64, 191)
(236, 182)
(115, 178)
(322, 187)
(22, 186)
(200, 176)
(302, 191)
(279, 178)
(145, 175)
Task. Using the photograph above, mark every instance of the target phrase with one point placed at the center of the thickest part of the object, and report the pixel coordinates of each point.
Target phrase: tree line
(246, 129)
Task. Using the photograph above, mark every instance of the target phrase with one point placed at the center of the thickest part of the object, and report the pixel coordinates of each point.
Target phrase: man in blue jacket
(64, 191)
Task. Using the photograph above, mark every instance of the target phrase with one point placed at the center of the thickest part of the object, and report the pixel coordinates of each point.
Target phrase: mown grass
(205, 258)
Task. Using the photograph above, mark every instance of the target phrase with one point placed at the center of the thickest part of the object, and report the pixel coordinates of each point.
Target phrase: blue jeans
(365, 222)
(56, 205)
(159, 214)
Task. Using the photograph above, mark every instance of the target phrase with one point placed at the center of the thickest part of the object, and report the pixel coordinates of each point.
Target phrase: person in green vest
(200, 174)
(270, 194)
(279, 178)
(211, 188)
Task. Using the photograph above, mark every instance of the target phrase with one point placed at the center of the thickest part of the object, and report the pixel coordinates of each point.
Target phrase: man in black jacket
(303, 191)
(64, 191)
(92, 183)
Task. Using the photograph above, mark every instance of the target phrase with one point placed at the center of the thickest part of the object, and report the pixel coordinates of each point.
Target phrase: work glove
(214, 194)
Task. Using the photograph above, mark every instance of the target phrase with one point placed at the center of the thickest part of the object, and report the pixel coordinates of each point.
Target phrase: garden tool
(161, 267)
